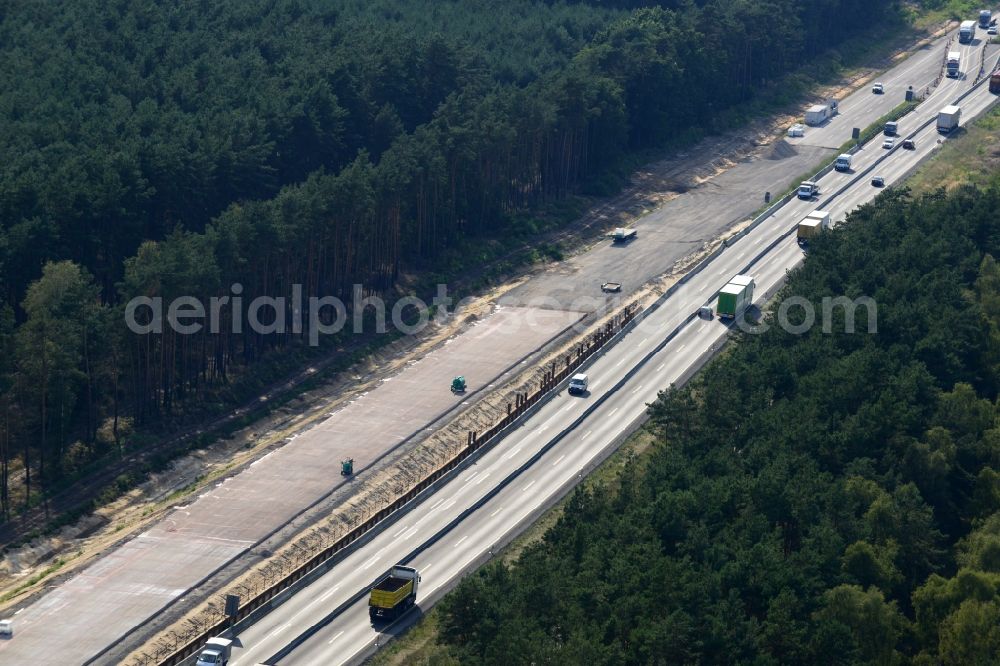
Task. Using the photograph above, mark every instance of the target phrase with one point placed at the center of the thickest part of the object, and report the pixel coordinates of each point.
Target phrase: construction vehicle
(458, 384)
(393, 594)
(948, 118)
(812, 226)
(966, 32)
(347, 467)
(735, 297)
(216, 652)
(623, 235)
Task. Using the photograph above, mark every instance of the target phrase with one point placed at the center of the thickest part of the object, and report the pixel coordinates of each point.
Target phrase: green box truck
(735, 297)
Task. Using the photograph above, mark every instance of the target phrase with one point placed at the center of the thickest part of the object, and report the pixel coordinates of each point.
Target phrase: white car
(889, 143)
(878, 89)
(797, 130)
(992, 30)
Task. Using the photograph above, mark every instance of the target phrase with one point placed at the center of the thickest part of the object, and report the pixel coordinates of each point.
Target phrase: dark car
(878, 181)
(909, 145)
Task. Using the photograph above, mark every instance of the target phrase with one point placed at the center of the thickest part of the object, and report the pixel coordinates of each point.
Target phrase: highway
(69, 623)
(920, 70)
(537, 463)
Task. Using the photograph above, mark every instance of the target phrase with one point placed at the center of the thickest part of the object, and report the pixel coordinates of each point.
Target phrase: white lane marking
(559, 460)
(373, 560)
(459, 542)
(512, 453)
(586, 435)
(426, 567)
(436, 503)
(619, 363)
(496, 512)
(411, 532)
(405, 527)
(568, 407)
(759, 241)
(612, 412)
(279, 629)
(482, 478)
(339, 634)
(530, 483)
(449, 505)
(543, 428)
(682, 346)
(329, 592)
(637, 389)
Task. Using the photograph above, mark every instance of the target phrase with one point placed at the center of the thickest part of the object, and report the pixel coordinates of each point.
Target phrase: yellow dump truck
(393, 594)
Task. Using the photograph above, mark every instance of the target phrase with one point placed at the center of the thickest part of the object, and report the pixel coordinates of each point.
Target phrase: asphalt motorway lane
(565, 440)
(685, 223)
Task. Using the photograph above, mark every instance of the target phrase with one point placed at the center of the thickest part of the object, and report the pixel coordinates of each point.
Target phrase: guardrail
(524, 405)
(176, 649)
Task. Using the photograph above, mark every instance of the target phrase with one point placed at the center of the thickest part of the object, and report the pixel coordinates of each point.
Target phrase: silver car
(889, 143)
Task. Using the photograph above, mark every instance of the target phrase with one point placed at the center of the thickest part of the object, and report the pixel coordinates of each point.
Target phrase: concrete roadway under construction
(135, 581)
(95, 608)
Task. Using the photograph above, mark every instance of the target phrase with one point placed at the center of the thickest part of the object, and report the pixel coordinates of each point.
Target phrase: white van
(578, 384)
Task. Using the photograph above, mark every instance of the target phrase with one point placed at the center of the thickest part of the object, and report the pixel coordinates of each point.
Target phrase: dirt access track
(727, 175)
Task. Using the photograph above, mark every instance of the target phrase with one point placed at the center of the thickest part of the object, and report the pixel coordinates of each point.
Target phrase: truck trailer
(623, 235)
(812, 226)
(819, 114)
(948, 118)
(966, 32)
(735, 297)
(393, 594)
(954, 63)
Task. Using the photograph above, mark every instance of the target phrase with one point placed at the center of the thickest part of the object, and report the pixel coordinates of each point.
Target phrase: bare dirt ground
(651, 186)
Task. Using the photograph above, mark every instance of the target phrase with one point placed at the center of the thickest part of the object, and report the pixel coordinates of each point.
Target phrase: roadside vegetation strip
(180, 642)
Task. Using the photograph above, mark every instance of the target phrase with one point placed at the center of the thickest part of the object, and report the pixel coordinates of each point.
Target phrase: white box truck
(843, 162)
(216, 652)
(948, 118)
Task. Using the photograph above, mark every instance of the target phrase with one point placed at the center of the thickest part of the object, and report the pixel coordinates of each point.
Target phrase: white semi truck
(954, 63)
(966, 32)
